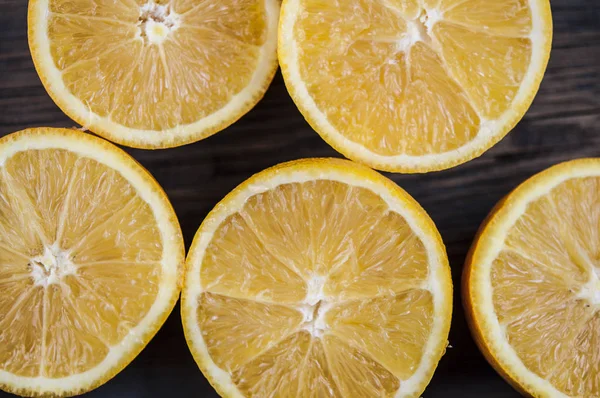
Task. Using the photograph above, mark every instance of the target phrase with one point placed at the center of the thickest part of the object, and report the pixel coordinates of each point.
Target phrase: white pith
(315, 305)
(489, 128)
(58, 264)
(591, 290)
(157, 21)
(51, 266)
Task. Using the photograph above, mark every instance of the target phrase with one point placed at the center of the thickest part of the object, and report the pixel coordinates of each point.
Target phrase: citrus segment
(406, 8)
(532, 283)
(121, 11)
(579, 372)
(383, 264)
(413, 86)
(258, 272)
(22, 325)
(19, 239)
(274, 372)
(401, 324)
(68, 347)
(317, 277)
(76, 40)
(493, 78)
(33, 174)
(91, 263)
(97, 313)
(316, 377)
(244, 20)
(221, 314)
(357, 373)
(154, 74)
(512, 18)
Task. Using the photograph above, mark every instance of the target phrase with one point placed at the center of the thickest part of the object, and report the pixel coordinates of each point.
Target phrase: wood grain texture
(562, 124)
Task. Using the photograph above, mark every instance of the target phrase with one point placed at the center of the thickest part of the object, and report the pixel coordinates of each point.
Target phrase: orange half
(414, 85)
(531, 284)
(154, 74)
(91, 261)
(317, 278)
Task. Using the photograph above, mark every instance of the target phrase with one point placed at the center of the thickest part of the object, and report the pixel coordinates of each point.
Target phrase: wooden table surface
(562, 124)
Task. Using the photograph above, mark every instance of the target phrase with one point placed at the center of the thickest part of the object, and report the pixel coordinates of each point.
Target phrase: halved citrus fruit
(531, 283)
(154, 73)
(414, 85)
(317, 278)
(91, 261)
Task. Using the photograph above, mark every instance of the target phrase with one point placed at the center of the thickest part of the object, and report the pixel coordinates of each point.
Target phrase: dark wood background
(562, 124)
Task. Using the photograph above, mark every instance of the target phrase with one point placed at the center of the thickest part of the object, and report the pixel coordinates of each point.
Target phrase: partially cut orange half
(91, 261)
(154, 73)
(532, 283)
(414, 85)
(317, 278)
